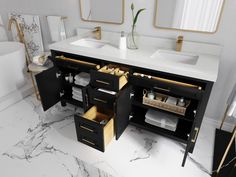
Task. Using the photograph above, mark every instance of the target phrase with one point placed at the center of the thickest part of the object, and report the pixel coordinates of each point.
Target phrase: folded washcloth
(77, 98)
(75, 89)
(82, 83)
(77, 94)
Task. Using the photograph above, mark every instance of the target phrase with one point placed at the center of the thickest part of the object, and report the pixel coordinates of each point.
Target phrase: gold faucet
(179, 43)
(20, 34)
(98, 32)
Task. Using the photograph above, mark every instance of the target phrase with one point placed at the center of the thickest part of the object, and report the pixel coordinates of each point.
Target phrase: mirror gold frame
(116, 23)
(176, 29)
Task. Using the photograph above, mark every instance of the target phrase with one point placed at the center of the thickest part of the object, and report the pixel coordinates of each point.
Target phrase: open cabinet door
(49, 86)
(123, 109)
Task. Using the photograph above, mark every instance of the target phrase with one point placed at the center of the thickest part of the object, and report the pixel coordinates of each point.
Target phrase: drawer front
(104, 80)
(91, 141)
(101, 99)
(88, 127)
(189, 92)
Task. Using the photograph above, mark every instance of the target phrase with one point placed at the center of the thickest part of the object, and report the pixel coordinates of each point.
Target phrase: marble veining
(44, 144)
(144, 153)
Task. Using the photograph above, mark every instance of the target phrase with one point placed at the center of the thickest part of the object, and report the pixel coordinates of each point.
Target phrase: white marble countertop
(206, 67)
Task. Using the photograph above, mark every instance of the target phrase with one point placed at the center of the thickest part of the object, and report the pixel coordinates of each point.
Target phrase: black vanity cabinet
(126, 103)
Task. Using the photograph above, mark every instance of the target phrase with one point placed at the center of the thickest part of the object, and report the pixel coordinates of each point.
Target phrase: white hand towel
(56, 28)
(3, 34)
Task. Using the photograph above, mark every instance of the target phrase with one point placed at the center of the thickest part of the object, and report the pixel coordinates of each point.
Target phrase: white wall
(165, 17)
(112, 11)
(225, 36)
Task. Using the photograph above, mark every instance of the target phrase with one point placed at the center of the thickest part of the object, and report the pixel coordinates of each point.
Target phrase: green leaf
(137, 15)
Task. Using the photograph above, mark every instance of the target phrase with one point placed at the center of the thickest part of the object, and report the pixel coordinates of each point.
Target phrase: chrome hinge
(130, 117)
(195, 113)
(58, 74)
(131, 95)
(62, 93)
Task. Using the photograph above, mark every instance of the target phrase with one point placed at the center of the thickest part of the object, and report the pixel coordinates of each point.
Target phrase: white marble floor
(43, 144)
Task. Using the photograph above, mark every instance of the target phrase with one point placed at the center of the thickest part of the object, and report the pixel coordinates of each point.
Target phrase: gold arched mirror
(189, 15)
(103, 11)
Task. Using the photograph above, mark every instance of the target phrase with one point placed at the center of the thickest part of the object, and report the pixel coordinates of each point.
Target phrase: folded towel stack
(82, 79)
(160, 119)
(77, 94)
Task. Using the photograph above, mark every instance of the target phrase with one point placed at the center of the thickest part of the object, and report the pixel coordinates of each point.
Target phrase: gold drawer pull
(87, 141)
(103, 82)
(83, 127)
(103, 101)
(162, 89)
(78, 61)
(195, 137)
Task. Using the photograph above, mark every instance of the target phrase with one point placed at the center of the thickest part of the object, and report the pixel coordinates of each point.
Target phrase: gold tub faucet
(179, 43)
(18, 29)
(98, 32)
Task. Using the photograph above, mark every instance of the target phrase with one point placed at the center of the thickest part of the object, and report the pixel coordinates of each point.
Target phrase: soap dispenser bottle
(122, 44)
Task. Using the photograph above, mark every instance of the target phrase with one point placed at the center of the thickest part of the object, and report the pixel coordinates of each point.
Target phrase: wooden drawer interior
(116, 71)
(98, 115)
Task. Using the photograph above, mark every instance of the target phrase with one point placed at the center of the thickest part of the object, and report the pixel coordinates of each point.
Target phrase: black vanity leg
(63, 103)
(191, 150)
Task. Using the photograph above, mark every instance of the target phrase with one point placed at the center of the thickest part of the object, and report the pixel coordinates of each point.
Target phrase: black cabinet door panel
(49, 87)
(123, 109)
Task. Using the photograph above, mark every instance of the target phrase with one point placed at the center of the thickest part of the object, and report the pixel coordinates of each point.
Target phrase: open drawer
(95, 128)
(74, 64)
(167, 86)
(102, 98)
(110, 77)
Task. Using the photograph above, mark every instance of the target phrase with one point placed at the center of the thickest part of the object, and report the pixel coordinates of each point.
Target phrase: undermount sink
(177, 57)
(90, 43)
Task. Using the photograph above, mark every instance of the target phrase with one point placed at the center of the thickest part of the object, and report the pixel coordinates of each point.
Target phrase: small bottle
(181, 102)
(122, 44)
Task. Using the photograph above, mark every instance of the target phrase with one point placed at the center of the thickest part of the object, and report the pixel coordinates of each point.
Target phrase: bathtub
(12, 70)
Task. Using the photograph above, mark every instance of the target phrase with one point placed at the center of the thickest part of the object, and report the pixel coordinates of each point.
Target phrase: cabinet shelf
(73, 101)
(188, 118)
(181, 133)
